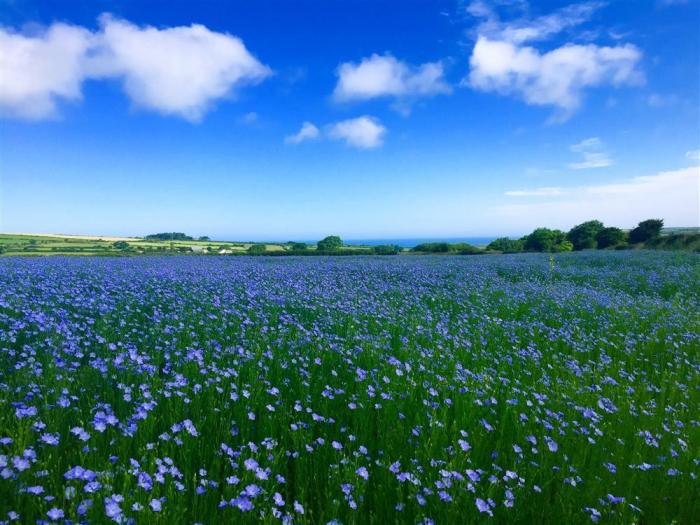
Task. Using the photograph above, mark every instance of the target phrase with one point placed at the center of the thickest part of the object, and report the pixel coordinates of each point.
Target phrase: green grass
(445, 343)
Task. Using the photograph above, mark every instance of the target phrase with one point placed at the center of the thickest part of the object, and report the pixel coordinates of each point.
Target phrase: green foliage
(386, 249)
(298, 246)
(506, 245)
(464, 248)
(168, 236)
(203, 238)
(432, 247)
(610, 237)
(563, 246)
(646, 230)
(257, 249)
(121, 245)
(544, 240)
(583, 236)
(678, 241)
(329, 244)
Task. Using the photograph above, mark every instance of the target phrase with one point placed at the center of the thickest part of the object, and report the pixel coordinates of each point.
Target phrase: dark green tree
(432, 247)
(203, 238)
(543, 240)
(257, 249)
(646, 230)
(298, 246)
(121, 245)
(583, 236)
(506, 245)
(610, 236)
(386, 249)
(329, 244)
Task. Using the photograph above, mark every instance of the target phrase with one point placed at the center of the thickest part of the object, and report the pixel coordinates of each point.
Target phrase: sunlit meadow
(520, 389)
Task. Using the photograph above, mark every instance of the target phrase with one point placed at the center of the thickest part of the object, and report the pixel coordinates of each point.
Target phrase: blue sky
(277, 120)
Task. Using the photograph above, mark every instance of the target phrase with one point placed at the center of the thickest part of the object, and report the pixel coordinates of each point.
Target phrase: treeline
(173, 236)
(585, 236)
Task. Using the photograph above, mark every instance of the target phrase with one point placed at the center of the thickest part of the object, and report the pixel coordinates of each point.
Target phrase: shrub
(506, 245)
(329, 244)
(432, 247)
(543, 240)
(257, 249)
(609, 237)
(168, 236)
(298, 246)
(464, 248)
(583, 236)
(386, 249)
(120, 245)
(646, 230)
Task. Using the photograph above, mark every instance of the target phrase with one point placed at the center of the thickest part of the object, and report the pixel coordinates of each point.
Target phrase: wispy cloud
(672, 195)
(502, 63)
(537, 192)
(693, 155)
(308, 131)
(179, 71)
(593, 155)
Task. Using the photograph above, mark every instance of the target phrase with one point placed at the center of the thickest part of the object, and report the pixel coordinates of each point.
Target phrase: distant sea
(410, 243)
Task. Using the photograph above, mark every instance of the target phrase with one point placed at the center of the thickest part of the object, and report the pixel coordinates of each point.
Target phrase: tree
(121, 245)
(257, 249)
(506, 245)
(610, 236)
(386, 249)
(583, 236)
(646, 230)
(432, 247)
(204, 238)
(298, 246)
(563, 246)
(329, 244)
(168, 236)
(543, 240)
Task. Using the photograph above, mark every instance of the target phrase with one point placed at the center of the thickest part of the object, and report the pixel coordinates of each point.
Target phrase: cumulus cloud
(385, 76)
(672, 195)
(593, 154)
(307, 132)
(175, 71)
(38, 71)
(362, 132)
(502, 62)
(178, 71)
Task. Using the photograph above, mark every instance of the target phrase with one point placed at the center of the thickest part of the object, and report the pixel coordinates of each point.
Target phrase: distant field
(524, 389)
(53, 244)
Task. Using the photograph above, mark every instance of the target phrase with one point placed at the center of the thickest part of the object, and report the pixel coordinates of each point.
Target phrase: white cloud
(671, 195)
(593, 152)
(307, 132)
(362, 132)
(693, 155)
(178, 71)
(540, 28)
(385, 76)
(537, 192)
(501, 62)
(175, 71)
(37, 71)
